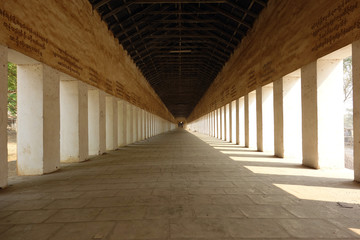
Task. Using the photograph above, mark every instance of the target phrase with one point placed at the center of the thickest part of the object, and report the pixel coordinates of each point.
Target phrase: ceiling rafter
(179, 46)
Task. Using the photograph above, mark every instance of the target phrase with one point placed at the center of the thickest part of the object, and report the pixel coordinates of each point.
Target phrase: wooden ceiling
(180, 46)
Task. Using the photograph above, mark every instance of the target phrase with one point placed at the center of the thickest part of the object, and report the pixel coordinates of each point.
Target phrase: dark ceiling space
(180, 46)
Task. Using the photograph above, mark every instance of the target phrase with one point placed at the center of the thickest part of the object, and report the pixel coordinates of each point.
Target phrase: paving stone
(30, 232)
(313, 228)
(75, 215)
(122, 213)
(172, 211)
(23, 217)
(255, 228)
(141, 229)
(29, 205)
(68, 203)
(84, 231)
(198, 228)
(217, 211)
(265, 211)
(177, 186)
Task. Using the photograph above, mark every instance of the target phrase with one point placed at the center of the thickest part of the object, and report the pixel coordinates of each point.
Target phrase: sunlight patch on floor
(355, 230)
(327, 194)
(302, 171)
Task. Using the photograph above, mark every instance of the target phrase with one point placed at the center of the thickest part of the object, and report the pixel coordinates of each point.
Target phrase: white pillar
(74, 146)
(246, 123)
(102, 105)
(322, 113)
(237, 122)
(135, 123)
(241, 114)
(146, 125)
(121, 118)
(129, 124)
(268, 118)
(250, 120)
(139, 128)
(234, 127)
(115, 122)
(38, 119)
(150, 125)
(278, 119)
(94, 122)
(97, 123)
(125, 123)
(228, 122)
(221, 121)
(259, 120)
(224, 122)
(3, 117)
(287, 116)
(216, 123)
(142, 121)
(109, 117)
(356, 107)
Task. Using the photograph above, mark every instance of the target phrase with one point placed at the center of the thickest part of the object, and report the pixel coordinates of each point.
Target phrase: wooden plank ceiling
(180, 46)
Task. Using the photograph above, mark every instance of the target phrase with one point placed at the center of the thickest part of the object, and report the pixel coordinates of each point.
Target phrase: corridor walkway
(180, 185)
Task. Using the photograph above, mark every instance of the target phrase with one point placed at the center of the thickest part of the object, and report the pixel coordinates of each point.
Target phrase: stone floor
(180, 185)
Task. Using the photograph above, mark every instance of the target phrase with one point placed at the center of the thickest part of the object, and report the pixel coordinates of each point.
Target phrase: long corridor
(180, 185)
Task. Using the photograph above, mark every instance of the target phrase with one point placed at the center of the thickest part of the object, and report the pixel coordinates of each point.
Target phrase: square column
(102, 105)
(129, 124)
(259, 119)
(224, 122)
(221, 120)
(212, 124)
(150, 125)
(237, 122)
(250, 120)
(146, 125)
(216, 124)
(356, 99)
(120, 123)
(322, 113)
(94, 122)
(142, 122)
(139, 127)
(3, 116)
(111, 123)
(74, 144)
(38, 119)
(278, 119)
(241, 116)
(135, 123)
(109, 116)
(234, 127)
(287, 116)
(115, 122)
(246, 114)
(97, 123)
(268, 118)
(228, 122)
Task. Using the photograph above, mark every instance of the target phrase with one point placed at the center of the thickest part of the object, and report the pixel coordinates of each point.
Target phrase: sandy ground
(349, 157)
(12, 154)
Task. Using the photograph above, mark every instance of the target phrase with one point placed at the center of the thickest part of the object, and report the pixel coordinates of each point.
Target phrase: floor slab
(182, 185)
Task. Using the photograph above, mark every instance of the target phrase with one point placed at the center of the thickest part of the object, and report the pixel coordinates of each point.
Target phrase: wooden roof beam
(117, 10)
(229, 15)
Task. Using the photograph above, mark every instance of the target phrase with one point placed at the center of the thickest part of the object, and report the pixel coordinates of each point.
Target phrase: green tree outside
(12, 89)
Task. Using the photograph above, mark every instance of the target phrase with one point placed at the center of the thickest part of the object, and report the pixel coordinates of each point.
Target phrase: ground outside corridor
(182, 185)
